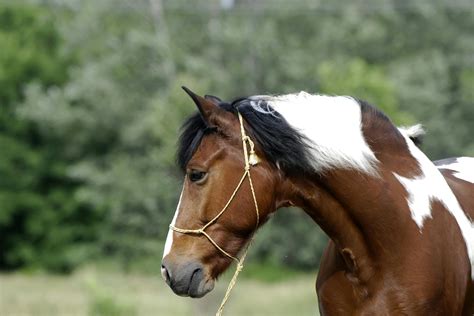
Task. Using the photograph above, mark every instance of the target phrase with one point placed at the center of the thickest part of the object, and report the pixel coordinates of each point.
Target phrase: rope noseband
(250, 159)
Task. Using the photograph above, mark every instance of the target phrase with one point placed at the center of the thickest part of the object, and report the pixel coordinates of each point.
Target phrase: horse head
(227, 193)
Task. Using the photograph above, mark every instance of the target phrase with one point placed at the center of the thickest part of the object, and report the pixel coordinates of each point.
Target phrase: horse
(400, 226)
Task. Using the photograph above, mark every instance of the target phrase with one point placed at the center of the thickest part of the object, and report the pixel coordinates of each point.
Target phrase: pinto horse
(401, 227)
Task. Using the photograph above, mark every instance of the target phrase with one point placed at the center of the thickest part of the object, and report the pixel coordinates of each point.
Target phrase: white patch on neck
(463, 168)
(431, 185)
(169, 237)
(333, 124)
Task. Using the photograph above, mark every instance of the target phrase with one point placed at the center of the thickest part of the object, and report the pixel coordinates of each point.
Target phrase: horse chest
(389, 292)
(343, 295)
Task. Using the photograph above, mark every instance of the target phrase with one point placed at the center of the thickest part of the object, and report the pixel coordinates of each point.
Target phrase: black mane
(281, 144)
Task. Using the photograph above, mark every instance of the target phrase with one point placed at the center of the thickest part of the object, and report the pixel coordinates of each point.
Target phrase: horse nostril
(165, 274)
(197, 273)
(196, 278)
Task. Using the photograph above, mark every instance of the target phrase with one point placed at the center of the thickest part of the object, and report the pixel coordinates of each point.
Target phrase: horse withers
(400, 227)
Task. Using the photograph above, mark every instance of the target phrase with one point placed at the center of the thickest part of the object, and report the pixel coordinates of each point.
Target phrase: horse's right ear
(213, 98)
(206, 106)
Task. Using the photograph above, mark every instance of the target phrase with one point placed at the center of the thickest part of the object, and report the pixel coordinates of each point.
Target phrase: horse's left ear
(206, 106)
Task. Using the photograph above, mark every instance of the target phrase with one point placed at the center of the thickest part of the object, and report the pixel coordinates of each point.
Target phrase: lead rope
(250, 160)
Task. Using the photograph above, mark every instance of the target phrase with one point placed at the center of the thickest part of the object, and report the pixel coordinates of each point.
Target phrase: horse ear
(212, 114)
(212, 98)
(206, 106)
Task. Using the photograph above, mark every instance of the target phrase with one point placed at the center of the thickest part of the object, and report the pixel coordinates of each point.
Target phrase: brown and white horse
(401, 228)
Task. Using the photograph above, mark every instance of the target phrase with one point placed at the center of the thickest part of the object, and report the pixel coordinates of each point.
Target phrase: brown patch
(388, 145)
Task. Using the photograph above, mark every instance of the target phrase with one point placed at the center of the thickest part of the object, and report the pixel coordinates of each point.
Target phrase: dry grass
(89, 292)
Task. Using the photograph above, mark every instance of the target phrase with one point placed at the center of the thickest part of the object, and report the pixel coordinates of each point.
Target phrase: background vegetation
(90, 107)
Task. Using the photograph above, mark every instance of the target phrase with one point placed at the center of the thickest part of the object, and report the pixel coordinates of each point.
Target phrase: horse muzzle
(186, 279)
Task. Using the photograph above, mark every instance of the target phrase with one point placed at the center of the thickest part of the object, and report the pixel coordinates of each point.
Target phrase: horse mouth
(198, 287)
(202, 288)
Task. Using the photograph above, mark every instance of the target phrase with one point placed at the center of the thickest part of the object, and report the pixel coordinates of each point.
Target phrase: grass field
(90, 292)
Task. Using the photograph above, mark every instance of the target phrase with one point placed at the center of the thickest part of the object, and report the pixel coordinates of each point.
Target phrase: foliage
(41, 226)
(91, 106)
(271, 273)
(292, 239)
(345, 78)
(30, 51)
(108, 121)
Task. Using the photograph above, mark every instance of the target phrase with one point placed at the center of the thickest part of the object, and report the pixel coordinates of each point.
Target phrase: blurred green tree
(356, 77)
(116, 122)
(40, 224)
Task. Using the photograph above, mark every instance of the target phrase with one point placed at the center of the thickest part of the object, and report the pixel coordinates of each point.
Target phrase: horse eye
(196, 175)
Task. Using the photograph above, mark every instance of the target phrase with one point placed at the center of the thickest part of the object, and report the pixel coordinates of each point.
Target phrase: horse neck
(342, 204)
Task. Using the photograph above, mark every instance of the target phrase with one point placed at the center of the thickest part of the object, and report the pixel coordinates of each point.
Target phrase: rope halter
(250, 159)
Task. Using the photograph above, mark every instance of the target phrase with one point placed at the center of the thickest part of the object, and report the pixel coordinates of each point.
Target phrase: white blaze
(169, 238)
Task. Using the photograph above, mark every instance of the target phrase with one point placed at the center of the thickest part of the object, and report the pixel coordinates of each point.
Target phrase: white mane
(331, 123)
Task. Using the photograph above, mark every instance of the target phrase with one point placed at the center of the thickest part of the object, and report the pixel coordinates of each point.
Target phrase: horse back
(459, 174)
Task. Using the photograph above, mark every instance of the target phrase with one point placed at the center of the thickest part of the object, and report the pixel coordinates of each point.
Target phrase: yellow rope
(240, 266)
(201, 230)
(249, 161)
